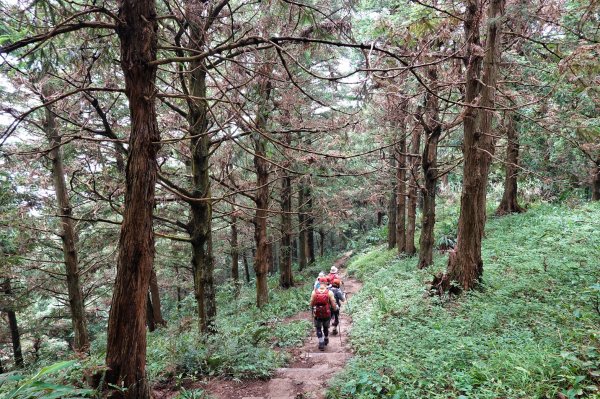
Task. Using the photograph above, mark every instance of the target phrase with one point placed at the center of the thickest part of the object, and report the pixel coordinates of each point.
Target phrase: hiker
(333, 274)
(317, 283)
(322, 301)
(340, 297)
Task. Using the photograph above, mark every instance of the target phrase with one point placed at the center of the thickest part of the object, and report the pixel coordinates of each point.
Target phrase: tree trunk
(155, 298)
(261, 199)
(321, 242)
(68, 236)
(411, 208)
(310, 226)
(509, 202)
(200, 226)
(235, 252)
(150, 315)
(126, 340)
(596, 182)
(392, 208)
(465, 265)
(14, 328)
(246, 267)
(286, 278)
(401, 201)
(301, 229)
(433, 130)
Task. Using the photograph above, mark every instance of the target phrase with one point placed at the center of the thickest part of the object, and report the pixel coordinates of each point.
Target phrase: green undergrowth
(531, 331)
(248, 341)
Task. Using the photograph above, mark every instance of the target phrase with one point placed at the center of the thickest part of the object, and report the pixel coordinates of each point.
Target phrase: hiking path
(308, 373)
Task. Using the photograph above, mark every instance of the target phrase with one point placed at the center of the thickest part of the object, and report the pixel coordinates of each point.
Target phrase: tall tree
(15, 335)
(68, 234)
(302, 236)
(509, 203)
(432, 132)
(411, 206)
(401, 191)
(465, 265)
(392, 208)
(261, 199)
(200, 16)
(126, 346)
(286, 278)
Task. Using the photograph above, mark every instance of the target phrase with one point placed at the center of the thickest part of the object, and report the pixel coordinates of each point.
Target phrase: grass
(531, 331)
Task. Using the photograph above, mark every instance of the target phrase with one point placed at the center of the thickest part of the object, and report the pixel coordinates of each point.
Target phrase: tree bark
(68, 236)
(155, 300)
(310, 225)
(392, 208)
(246, 267)
(126, 341)
(411, 208)
(286, 278)
(401, 192)
(261, 199)
(150, 315)
(321, 242)
(465, 265)
(509, 203)
(235, 252)
(301, 228)
(200, 225)
(433, 130)
(14, 328)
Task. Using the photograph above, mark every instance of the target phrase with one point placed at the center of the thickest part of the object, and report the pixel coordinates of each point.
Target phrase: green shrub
(42, 384)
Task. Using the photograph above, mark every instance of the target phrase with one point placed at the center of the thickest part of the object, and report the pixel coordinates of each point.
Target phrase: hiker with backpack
(323, 303)
(317, 283)
(333, 274)
(340, 297)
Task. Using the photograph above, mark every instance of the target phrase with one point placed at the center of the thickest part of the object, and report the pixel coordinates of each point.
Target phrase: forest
(175, 174)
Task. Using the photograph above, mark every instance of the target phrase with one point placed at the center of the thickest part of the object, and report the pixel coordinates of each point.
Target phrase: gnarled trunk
(509, 202)
(126, 341)
(68, 236)
(465, 265)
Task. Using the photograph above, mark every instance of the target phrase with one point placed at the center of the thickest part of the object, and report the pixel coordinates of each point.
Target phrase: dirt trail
(310, 369)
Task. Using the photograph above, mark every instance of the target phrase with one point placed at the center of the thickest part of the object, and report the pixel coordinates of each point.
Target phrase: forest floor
(309, 370)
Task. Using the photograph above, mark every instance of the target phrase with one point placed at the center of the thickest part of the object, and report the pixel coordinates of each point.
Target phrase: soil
(308, 373)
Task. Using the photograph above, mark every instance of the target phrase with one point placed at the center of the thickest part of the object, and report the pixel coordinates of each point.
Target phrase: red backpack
(331, 277)
(322, 308)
